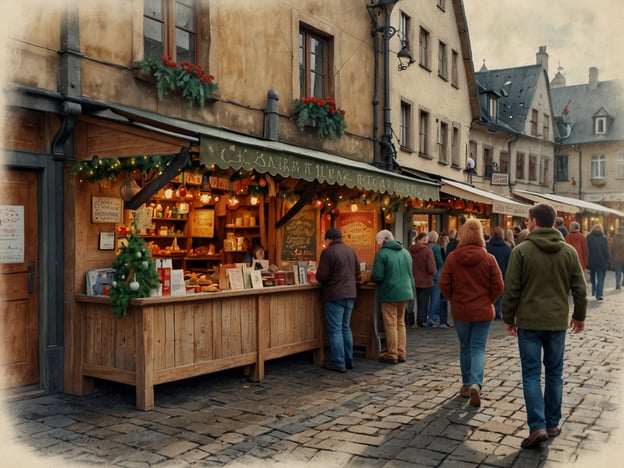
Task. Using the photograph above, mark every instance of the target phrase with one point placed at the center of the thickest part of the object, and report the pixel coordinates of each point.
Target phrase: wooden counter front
(163, 339)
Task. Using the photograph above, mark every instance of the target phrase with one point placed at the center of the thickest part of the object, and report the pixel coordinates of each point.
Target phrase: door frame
(51, 260)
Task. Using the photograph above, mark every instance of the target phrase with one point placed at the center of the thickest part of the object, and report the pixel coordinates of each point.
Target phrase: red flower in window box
(322, 114)
(191, 80)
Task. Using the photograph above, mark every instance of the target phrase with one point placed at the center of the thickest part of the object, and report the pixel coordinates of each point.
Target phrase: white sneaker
(444, 325)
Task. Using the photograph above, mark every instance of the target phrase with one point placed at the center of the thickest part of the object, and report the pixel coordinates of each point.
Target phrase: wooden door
(19, 306)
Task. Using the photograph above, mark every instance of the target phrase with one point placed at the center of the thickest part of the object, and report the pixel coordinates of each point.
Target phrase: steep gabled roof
(584, 103)
(516, 88)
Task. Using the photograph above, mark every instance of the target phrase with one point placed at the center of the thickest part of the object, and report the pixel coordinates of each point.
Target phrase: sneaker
(444, 325)
(599, 298)
(430, 324)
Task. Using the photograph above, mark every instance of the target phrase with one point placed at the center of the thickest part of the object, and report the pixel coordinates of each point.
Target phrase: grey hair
(433, 236)
(383, 236)
(575, 226)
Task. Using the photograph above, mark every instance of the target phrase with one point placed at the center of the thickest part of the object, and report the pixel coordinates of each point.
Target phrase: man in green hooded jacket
(541, 273)
(392, 271)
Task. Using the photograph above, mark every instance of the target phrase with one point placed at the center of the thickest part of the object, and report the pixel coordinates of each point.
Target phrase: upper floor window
(423, 132)
(519, 165)
(562, 168)
(544, 173)
(600, 125)
(546, 127)
(454, 68)
(598, 167)
(443, 142)
(406, 125)
(488, 161)
(314, 59)
(503, 162)
(441, 4)
(442, 61)
(424, 52)
(169, 29)
(455, 146)
(532, 167)
(619, 174)
(534, 119)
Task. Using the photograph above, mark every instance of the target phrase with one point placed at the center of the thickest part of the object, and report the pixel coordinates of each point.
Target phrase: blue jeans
(423, 297)
(543, 411)
(619, 269)
(338, 323)
(472, 341)
(434, 305)
(498, 307)
(597, 278)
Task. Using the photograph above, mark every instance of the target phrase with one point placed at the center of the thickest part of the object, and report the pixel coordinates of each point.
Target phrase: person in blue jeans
(338, 273)
(598, 259)
(541, 273)
(471, 280)
(434, 305)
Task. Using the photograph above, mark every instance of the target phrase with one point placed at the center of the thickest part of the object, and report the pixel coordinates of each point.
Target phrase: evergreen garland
(135, 274)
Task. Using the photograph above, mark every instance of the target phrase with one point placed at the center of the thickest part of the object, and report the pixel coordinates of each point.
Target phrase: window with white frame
(406, 125)
(424, 48)
(488, 161)
(600, 125)
(492, 102)
(545, 171)
(598, 167)
(423, 132)
(441, 4)
(534, 117)
(532, 167)
(546, 127)
(619, 174)
(443, 142)
(562, 168)
(503, 162)
(442, 61)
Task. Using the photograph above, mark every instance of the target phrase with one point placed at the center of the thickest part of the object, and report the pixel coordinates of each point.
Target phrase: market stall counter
(168, 338)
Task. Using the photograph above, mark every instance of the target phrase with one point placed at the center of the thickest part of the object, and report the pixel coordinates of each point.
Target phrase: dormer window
(492, 106)
(600, 125)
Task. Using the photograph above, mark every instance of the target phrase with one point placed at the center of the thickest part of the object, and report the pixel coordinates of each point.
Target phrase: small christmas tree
(136, 274)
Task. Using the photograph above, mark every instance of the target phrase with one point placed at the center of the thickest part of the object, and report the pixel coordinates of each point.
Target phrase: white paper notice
(11, 234)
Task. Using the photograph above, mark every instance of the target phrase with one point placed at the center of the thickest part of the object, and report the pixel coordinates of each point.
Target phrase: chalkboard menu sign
(300, 236)
(358, 232)
(202, 223)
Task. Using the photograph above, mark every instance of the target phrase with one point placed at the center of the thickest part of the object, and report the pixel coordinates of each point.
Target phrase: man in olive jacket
(542, 271)
(392, 271)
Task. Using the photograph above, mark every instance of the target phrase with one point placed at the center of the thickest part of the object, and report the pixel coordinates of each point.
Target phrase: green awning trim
(279, 159)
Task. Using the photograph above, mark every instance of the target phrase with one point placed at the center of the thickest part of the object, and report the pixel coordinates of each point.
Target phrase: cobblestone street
(374, 416)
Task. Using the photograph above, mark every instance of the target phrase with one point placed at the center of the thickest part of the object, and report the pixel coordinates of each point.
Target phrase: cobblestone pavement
(377, 415)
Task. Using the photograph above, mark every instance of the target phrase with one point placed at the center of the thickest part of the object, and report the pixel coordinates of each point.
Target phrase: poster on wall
(358, 232)
(12, 234)
(300, 236)
(106, 210)
(202, 223)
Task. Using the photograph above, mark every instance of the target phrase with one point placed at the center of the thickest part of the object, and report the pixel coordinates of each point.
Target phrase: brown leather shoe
(465, 391)
(387, 360)
(402, 359)
(535, 439)
(553, 432)
(475, 395)
(333, 367)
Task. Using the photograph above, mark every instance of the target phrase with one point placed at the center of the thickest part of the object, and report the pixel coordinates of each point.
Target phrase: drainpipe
(374, 31)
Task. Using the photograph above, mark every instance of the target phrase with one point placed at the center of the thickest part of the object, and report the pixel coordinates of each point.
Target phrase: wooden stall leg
(257, 371)
(144, 378)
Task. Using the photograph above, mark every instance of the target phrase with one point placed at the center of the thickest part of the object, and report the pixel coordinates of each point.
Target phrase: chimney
(593, 77)
(541, 58)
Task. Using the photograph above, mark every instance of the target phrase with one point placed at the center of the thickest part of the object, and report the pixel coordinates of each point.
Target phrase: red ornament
(182, 191)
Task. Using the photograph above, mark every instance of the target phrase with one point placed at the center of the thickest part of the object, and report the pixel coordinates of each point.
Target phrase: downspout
(62, 152)
(374, 31)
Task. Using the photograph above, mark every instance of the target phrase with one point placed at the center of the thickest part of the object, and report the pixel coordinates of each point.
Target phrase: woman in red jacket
(472, 281)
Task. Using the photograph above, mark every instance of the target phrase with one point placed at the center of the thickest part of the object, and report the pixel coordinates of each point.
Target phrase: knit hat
(333, 234)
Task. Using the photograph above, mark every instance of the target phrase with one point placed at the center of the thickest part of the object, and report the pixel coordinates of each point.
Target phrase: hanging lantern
(129, 188)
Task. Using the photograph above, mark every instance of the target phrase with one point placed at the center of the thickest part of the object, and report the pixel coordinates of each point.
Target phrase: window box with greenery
(321, 113)
(195, 85)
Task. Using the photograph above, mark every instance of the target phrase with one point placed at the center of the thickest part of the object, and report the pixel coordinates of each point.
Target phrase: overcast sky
(578, 34)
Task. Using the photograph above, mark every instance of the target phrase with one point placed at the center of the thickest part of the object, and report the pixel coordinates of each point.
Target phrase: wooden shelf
(169, 219)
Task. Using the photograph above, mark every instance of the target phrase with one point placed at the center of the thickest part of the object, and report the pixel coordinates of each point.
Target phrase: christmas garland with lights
(136, 274)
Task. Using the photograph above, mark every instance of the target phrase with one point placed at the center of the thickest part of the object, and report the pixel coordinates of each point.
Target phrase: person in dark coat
(423, 269)
(598, 264)
(501, 251)
(338, 272)
(560, 227)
